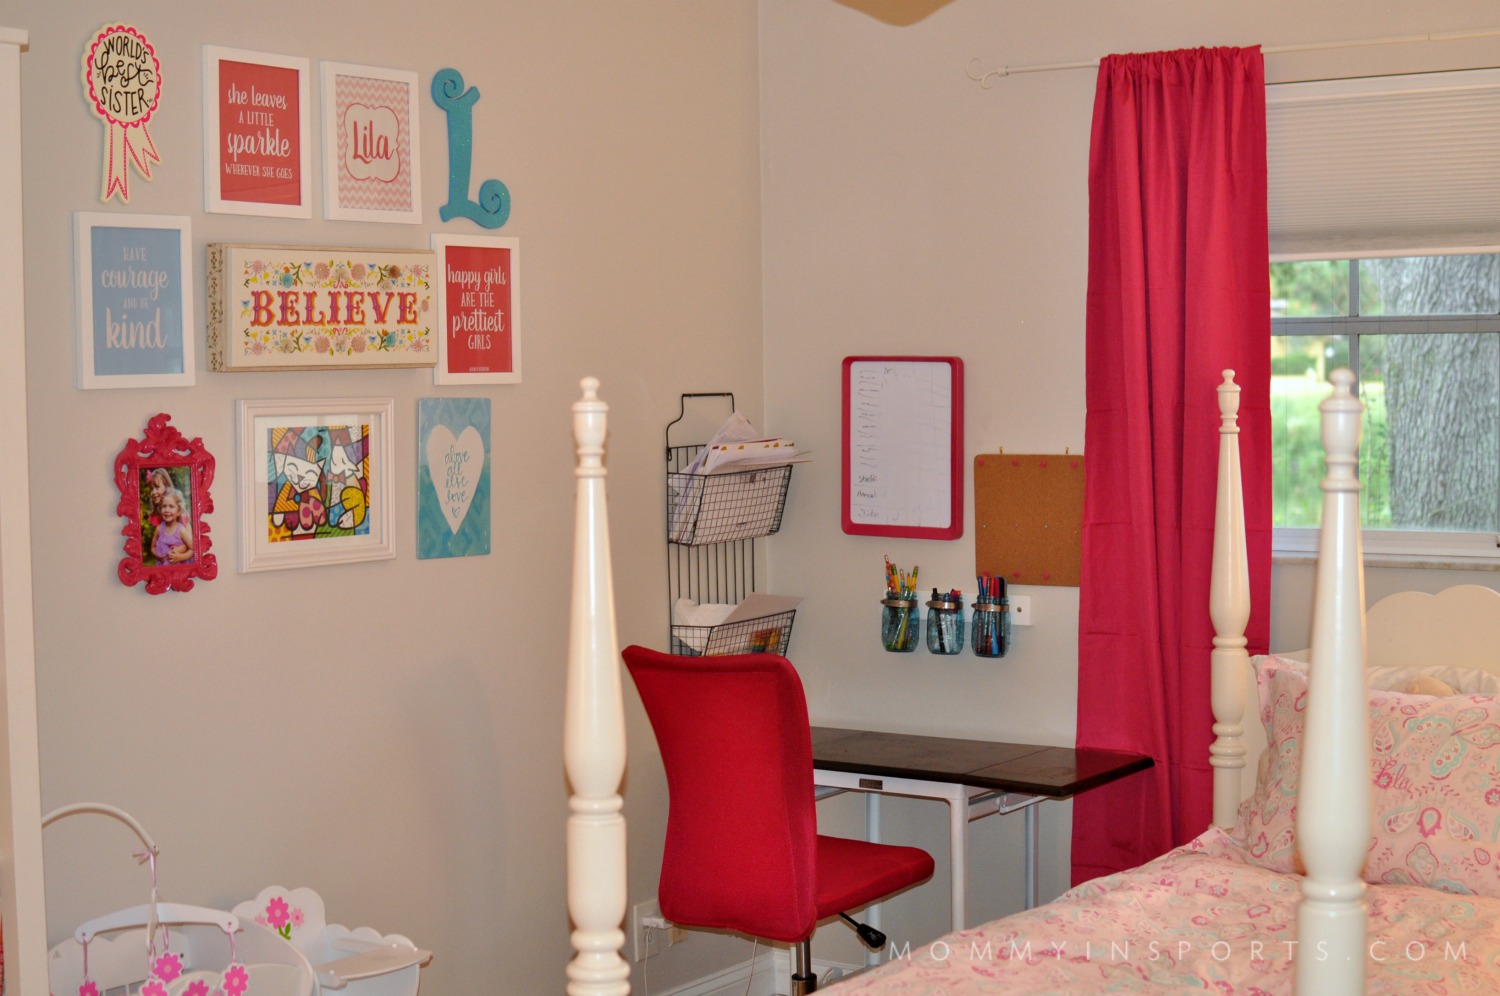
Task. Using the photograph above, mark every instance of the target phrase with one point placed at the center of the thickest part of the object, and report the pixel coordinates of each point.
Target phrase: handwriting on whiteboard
(900, 443)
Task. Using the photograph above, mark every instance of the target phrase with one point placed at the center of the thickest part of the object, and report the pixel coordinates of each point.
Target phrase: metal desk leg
(958, 849)
(828, 782)
(1031, 856)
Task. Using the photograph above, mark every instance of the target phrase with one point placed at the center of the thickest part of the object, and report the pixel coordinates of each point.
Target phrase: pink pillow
(1435, 787)
(1266, 825)
(1435, 769)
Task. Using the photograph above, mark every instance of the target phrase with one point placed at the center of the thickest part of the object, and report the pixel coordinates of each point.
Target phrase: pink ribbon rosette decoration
(123, 77)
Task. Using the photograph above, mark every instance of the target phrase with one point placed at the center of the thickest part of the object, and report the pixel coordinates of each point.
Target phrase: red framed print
(164, 480)
(372, 164)
(903, 446)
(479, 298)
(257, 150)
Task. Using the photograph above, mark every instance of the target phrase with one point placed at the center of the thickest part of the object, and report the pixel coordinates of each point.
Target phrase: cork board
(1028, 517)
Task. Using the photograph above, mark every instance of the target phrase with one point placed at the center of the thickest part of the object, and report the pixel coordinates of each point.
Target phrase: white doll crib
(277, 944)
(359, 962)
(171, 949)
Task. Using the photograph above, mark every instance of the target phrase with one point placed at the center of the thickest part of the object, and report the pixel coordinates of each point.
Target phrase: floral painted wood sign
(285, 308)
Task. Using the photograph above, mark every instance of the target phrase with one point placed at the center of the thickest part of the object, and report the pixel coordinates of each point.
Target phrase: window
(1401, 168)
(1422, 335)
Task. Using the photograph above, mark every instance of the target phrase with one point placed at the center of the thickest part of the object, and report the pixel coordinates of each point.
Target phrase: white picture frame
(477, 258)
(133, 295)
(247, 121)
(372, 161)
(296, 456)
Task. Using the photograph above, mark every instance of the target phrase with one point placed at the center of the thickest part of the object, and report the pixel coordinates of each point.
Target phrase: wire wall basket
(722, 508)
(762, 635)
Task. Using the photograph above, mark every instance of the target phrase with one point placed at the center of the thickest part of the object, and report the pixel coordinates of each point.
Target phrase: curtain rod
(985, 79)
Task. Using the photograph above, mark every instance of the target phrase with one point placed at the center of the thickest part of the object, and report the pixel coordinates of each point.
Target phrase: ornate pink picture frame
(164, 480)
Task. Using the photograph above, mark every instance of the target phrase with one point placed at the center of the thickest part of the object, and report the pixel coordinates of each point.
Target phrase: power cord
(754, 944)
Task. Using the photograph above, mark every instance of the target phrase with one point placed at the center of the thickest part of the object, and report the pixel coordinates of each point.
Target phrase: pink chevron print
(374, 144)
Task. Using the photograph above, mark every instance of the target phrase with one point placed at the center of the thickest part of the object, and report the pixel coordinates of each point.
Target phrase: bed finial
(594, 728)
(1341, 412)
(1229, 403)
(1229, 607)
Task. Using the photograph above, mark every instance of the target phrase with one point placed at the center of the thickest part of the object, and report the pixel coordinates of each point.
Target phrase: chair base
(804, 979)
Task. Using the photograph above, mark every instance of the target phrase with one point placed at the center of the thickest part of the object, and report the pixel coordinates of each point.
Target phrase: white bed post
(594, 729)
(1333, 797)
(1229, 606)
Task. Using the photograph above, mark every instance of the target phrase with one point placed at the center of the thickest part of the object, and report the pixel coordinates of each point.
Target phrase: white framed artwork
(257, 133)
(478, 307)
(315, 482)
(372, 164)
(133, 283)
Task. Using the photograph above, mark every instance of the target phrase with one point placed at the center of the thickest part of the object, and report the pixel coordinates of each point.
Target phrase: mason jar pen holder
(900, 612)
(901, 617)
(991, 618)
(945, 623)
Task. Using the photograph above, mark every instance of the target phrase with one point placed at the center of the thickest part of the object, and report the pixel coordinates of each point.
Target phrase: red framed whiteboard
(903, 446)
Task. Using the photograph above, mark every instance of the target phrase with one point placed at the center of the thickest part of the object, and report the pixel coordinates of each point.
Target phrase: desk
(975, 777)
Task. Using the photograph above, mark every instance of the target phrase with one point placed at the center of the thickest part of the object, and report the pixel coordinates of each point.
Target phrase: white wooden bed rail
(594, 728)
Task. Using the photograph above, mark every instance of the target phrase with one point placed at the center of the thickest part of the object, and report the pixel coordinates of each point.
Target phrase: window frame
(1388, 547)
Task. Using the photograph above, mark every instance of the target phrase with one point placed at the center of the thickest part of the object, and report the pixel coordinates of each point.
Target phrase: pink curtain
(1178, 290)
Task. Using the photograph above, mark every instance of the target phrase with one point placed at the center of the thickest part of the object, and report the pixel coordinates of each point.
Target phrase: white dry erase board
(903, 446)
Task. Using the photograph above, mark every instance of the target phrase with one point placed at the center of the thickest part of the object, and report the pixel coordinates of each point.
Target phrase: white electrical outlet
(650, 931)
(645, 941)
(1020, 610)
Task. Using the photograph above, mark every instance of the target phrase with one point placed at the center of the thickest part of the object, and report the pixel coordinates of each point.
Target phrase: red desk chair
(743, 850)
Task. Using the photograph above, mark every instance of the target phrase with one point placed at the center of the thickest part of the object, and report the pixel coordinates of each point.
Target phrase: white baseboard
(771, 976)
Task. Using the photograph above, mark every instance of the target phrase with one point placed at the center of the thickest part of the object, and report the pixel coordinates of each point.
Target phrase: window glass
(1424, 345)
(1430, 285)
(1300, 365)
(1430, 456)
(1314, 289)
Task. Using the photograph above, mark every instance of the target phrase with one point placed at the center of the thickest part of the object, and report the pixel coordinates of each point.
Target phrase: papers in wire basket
(733, 507)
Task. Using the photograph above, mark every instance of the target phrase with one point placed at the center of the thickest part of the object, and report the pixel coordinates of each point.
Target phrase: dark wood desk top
(1033, 769)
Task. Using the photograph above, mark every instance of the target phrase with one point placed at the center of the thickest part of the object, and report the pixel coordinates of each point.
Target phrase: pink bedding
(1201, 917)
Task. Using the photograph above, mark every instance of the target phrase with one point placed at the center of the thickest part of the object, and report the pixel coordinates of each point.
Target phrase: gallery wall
(388, 733)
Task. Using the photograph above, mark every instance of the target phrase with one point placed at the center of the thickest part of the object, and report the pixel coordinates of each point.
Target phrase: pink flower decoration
(88, 989)
(296, 916)
(154, 988)
(167, 967)
(236, 979)
(276, 912)
(196, 988)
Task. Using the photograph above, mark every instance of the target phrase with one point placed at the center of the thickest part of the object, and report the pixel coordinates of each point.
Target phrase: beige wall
(909, 210)
(390, 734)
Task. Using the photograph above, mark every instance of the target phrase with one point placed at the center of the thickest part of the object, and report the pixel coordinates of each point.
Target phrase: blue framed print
(453, 477)
(134, 284)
